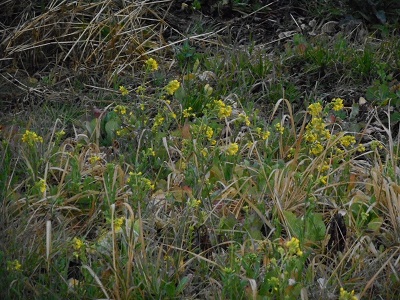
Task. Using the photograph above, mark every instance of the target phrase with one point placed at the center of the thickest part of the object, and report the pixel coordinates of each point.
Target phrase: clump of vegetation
(221, 174)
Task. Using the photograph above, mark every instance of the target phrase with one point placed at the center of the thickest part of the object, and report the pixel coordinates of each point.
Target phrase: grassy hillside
(199, 150)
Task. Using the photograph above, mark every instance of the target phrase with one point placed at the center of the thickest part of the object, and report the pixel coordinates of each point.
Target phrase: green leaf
(111, 127)
(354, 110)
(170, 289)
(395, 117)
(253, 225)
(90, 126)
(182, 284)
(295, 224)
(315, 230)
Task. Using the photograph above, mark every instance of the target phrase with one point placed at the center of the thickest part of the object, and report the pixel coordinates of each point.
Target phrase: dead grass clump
(90, 38)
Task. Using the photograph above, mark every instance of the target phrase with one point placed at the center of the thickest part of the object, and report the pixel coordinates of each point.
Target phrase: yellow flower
(327, 134)
(152, 64)
(294, 247)
(118, 222)
(120, 109)
(224, 110)
(347, 140)
(232, 149)
(93, 159)
(204, 152)
(361, 148)
(209, 132)
(316, 149)
(315, 109)
(14, 265)
(244, 118)
(77, 243)
(123, 90)
(187, 113)
(337, 104)
(317, 124)
(194, 203)
(265, 135)
(172, 86)
(151, 152)
(42, 185)
(60, 134)
(159, 119)
(274, 281)
(323, 179)
(250, 144)
(291, 153)
(31, 137)
(147, 183)
(279, 128)
(344, 295)
(310, 137)
(324, 167)
(140, 89)
(376, 145)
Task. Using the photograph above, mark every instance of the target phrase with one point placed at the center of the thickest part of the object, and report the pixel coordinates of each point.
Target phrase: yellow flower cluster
(123, 90)
(132, 175)
(337, 104)
(293, 247)
(323, 179)
(315, 109)
(324, 167)
(140, 89)
(232, 149)
(209, 132)
(195, 203)
(77, 243)
(361, 148)
(263, 134)
(172, 87)
(159, 119)
(244, 119)
(274, 281)
(137, 179)
(316, 148)
(187, 112)
(345, 295)
(148, 184)
(316, 133)
(151, 64)
(150, 152)
(41, 184)
(60, 134)
(118, 222)
(224, 110)
(347, 140)
(120, 109)
(376, 145)
(31, 137)
(14, 265)
(95, 158)
(279, 128)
